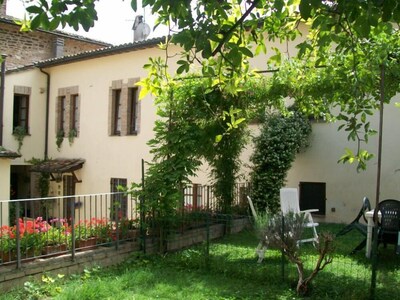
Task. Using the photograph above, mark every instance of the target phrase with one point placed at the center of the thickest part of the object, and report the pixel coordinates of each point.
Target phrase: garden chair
(289, 200)
(261, 248)
(389, 223)
(355, 224)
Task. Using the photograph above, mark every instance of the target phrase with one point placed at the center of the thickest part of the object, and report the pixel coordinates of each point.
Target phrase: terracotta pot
(7, 256)
(87, 244)
(54, 249)
(133, 233)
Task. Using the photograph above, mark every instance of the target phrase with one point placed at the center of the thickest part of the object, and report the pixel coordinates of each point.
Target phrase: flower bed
(38, 237)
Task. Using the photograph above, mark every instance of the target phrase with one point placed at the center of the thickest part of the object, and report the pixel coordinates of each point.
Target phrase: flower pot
(86, 244)
(7, 256)
(54, 249)
(132, 234)
(29, 255)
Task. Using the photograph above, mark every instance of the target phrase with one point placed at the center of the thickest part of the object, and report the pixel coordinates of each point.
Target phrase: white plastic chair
(289, 200)
(261, 248)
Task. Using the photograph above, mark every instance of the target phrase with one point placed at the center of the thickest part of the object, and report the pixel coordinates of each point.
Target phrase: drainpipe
(46, 138)
(3, 76)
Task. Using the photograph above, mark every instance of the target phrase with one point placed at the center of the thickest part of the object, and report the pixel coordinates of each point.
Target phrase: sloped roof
(100, 52)
(58, 165)
(5, 153)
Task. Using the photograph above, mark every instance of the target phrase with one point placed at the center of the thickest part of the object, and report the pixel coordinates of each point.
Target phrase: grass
(230, 272)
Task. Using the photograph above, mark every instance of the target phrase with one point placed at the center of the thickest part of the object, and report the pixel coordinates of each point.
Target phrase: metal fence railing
(202, 197)
(42, 227)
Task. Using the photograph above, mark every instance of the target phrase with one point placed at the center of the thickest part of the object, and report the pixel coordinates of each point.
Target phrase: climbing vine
(275, 149)
(19, 133)
(43, 183)
(197, 125)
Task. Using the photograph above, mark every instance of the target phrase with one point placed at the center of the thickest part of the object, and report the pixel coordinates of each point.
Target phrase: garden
(38, 237)
(227, 270)
(204, 117)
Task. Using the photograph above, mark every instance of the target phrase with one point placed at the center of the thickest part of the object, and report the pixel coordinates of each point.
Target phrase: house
(84, 115)
(21, 49)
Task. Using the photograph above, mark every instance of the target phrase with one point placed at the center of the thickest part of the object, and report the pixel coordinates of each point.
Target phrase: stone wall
(23, 48)
(11, 277)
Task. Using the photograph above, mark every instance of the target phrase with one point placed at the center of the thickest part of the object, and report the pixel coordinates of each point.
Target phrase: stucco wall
(4, 189)
(106, 156)
(33, 144)
(345, 187)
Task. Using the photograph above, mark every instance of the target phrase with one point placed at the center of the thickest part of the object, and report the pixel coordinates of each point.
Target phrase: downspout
(3, 76)
(46, 137)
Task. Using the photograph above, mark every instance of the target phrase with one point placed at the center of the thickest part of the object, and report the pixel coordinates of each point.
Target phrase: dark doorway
(313, 195)
(68, 190)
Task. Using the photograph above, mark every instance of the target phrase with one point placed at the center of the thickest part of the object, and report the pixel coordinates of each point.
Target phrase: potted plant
(128, 229)
(7, 244)
(85, 235)
(54, 240)
(102, 230)
(31, 235)
(31, 244)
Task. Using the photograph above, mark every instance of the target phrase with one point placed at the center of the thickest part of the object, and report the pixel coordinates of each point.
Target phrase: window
(61, 128)
(21, 112)
(119, 201)
(75, 114)
(124, 108)
(117, 112)
(132, 110)
(67, 111)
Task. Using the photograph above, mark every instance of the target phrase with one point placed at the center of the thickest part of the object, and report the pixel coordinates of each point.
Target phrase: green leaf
(181, 69)
(35, 23)
(305, 9)
(362, 26)
(246, 51)
(134, 5)
(218, 138)
(387, 10)
(54, 23)
(34, 10)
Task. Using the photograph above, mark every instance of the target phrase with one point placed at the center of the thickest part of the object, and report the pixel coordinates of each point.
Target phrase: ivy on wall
(281, 138)
(195, 125)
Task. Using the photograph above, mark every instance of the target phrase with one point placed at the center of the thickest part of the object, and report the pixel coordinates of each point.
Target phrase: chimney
(58, 47)
(3, 9)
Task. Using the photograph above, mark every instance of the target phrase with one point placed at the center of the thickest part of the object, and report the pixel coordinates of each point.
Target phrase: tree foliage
(189, 118)
(352, 40)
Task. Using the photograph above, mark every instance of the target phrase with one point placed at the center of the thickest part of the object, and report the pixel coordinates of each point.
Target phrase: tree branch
(229, 32)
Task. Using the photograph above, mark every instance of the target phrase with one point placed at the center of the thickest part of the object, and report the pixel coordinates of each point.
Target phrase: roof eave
(100, 53)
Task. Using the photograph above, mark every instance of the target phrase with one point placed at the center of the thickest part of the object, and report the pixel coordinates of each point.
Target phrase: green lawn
(230, 272)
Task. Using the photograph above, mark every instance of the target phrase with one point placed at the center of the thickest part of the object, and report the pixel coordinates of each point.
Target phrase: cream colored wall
(106, 156)
(345, 187)
(4, 189)
(33, 144)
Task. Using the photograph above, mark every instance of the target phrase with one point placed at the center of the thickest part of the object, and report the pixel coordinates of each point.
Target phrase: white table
(369, 215)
